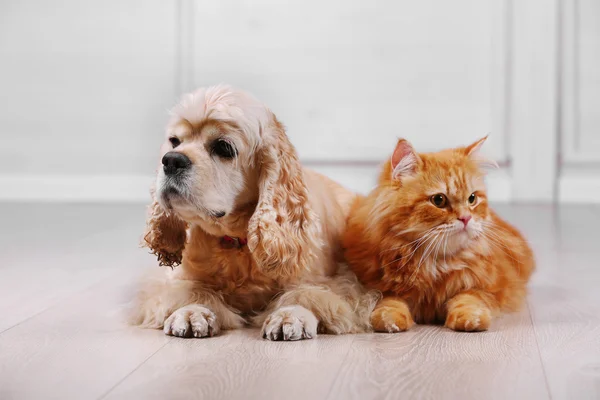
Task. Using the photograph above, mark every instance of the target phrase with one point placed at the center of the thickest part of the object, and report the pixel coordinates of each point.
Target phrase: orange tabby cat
(426, 238)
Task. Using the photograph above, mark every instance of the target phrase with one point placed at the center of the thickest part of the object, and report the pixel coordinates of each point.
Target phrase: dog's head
(228, 167)
(208, 161)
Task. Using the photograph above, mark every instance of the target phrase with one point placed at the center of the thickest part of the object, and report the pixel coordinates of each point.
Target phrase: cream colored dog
(257, 235)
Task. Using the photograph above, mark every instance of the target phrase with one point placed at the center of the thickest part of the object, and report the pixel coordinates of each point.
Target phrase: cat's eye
(174, 141)
(439, 200)
(472, 198)
(223, 149)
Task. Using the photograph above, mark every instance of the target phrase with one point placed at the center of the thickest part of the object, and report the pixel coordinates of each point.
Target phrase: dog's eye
(174, 141)
(224, 149)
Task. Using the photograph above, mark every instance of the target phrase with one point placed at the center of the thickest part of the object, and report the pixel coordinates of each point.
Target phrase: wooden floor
(68, 270)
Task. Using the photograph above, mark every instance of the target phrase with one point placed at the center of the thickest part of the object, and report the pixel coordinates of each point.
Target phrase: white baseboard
(135, 188)
(579, 186)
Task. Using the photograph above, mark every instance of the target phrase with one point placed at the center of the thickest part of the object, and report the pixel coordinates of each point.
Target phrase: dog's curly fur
(288, 277)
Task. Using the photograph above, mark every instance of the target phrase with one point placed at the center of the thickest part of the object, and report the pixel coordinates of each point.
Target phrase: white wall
(83, 84)
(350, 79)
(86, 85)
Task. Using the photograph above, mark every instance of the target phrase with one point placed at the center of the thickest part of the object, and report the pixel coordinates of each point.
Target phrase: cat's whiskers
(444, 239)
(431, 236)
(440, 246)
(500, 243)
(445, 244)
(424, 255)
(495, 227)
(434, 240)
(423, 239)
(409, 256)
(426, 234)
(415, 229)
(435, 254)
(496, 241)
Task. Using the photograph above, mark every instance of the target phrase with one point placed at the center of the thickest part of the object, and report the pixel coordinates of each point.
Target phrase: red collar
(228, 242)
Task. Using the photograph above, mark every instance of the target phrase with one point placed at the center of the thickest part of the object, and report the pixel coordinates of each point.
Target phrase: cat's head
(439, 194)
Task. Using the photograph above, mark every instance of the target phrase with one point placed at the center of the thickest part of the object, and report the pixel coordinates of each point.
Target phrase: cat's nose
(465, 219)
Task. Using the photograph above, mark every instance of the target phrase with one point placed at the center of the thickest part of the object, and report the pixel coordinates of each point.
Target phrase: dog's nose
(174, 162)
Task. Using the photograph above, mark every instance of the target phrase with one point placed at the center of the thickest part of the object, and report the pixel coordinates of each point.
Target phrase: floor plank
(77, 349)
(247, 368)
(433, 363)
(567, 323)
(565, 304)
(54, 253)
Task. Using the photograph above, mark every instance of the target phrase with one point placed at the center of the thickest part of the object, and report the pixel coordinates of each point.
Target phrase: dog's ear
(283, 232)
(165, 235)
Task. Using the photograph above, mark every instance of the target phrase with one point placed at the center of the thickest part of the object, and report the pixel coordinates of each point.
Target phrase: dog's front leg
(183, 308)
(337, 306)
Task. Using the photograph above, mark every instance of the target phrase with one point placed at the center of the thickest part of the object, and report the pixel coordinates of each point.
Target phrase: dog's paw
(290, 323)
(193, 320)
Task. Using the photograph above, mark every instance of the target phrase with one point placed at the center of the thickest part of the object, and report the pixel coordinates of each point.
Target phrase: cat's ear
(473, 148)
(404, 160)
(472, 151)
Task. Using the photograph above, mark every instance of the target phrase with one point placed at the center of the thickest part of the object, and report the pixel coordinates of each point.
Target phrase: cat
(427, 239)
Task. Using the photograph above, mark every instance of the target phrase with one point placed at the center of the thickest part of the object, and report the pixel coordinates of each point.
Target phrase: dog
(252, 237)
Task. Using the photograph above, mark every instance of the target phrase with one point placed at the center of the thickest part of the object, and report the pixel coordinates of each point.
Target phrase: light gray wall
(84, 85)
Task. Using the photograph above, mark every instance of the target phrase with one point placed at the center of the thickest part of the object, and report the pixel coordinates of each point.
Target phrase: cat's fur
(430, 266)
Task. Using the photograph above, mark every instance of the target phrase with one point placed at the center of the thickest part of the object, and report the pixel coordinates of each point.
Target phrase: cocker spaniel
(256, 234)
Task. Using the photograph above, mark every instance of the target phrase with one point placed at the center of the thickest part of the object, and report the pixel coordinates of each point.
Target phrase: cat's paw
(193, 320)
(391, 319)
(290, 323)
(469, 318)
